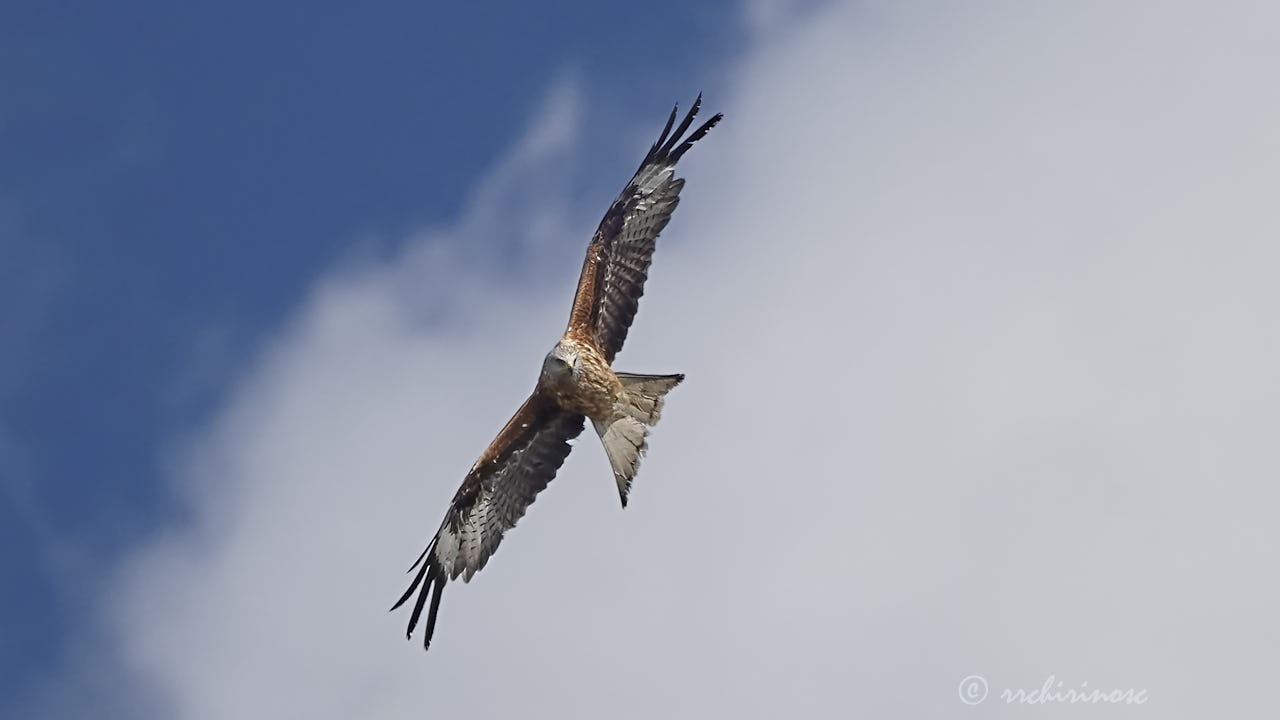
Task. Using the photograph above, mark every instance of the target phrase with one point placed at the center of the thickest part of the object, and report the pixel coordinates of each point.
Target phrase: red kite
(576, 382)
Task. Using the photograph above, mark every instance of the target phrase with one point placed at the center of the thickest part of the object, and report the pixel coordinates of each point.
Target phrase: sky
(974, 301)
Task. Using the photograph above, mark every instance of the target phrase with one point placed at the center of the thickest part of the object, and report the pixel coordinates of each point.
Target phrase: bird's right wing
(621, 251)
(495, 494)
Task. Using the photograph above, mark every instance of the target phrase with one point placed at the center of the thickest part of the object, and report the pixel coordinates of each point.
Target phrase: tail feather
(624, 442)
(625, 434)
(645, 394)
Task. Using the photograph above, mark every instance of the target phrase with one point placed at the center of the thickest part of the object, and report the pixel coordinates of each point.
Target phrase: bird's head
(562, 363)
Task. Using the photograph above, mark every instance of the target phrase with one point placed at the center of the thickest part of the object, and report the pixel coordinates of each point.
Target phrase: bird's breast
(591, 391)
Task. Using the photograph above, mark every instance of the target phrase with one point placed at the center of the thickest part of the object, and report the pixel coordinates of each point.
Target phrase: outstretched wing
(620, 252)
(495, 494)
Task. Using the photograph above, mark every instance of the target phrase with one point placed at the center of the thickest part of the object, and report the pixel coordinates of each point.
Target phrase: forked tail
(634, 412)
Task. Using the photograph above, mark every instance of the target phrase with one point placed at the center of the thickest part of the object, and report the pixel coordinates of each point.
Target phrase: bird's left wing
(618, 258)
(495, 494)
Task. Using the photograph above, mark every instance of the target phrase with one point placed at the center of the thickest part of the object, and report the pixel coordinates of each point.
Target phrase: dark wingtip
(696, 136)
(684, 125)
(671, 120)
(431, 614)
(430, 580)
(662, 138)
(415, 564)
(669, 147)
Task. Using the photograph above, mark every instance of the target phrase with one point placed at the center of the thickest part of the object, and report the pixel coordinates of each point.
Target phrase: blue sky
(974, 303)
(173, 177)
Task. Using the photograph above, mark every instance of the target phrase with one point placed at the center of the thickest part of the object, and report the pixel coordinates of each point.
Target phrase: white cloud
(976, 306)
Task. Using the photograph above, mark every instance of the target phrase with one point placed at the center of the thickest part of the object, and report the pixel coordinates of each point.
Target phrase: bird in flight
(576, 382)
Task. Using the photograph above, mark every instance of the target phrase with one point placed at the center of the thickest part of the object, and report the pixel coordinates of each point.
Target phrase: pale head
(562, 363)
